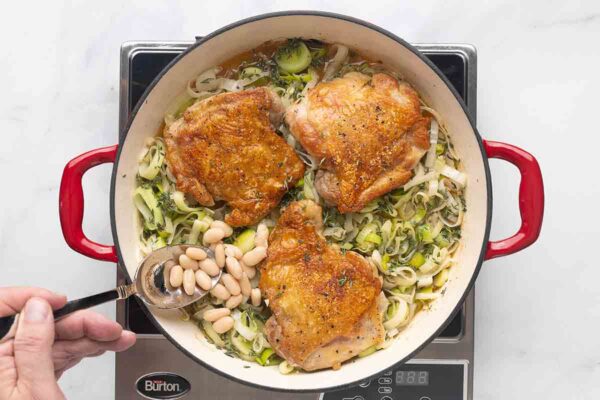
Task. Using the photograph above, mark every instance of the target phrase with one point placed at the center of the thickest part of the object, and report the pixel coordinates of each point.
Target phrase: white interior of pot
(375, 45)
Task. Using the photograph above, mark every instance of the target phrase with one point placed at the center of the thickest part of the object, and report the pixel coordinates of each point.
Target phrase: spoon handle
(8, 324)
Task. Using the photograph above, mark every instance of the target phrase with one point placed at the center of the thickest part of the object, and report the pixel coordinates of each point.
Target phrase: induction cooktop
(442, 370)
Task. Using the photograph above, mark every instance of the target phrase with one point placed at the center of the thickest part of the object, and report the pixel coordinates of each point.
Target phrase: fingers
(89, 324)
(32, 348)
(87, 334)
(69, 352)
(13, 299)
(84, 347)
(7, 349)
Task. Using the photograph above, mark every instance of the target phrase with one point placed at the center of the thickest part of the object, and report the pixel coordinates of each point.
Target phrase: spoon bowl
(152, 279)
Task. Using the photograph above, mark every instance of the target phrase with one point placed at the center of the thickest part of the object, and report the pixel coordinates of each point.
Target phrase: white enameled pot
(375, 43)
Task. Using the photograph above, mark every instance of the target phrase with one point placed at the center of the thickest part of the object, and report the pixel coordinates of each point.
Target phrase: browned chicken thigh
(324, 302)
(367, 132)
(225, 148)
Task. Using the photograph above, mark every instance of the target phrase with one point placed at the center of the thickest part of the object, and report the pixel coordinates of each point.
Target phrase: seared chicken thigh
(367, 132)
(324, 302)
(225, 148)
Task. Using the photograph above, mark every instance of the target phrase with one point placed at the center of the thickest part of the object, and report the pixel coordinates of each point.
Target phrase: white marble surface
(538, 312)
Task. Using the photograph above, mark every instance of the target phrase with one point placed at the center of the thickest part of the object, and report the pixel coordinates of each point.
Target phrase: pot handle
(71, 203)
(531, 198)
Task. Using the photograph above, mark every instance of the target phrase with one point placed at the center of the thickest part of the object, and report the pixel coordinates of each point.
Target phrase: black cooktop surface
(145, 66)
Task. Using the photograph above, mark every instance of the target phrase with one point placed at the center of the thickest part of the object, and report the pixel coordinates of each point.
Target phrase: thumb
(33, 350)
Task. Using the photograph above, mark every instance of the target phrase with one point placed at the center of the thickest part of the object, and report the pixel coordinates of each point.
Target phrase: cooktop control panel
(444, 380)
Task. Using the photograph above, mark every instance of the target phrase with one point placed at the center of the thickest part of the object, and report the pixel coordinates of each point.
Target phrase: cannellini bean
(220, 255)
(262, 236)
(189, 281)
(233, 251)
(254, 256)
(249, 271)
(203, 280)
(234, 267)
(215, 314)
(231, 284)
(176, 276)
(167, 267)
(213, 235)
(220, 292)
(245, 285)
(234, 301)
(195, 253)
(223, 324)
(210, 267)
(256, 297)
(188, 263)
(227, 230)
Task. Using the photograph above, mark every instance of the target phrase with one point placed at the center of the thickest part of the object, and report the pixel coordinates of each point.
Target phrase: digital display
(412, 378)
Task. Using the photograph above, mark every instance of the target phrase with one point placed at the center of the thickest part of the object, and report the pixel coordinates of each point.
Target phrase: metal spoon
(151, 284)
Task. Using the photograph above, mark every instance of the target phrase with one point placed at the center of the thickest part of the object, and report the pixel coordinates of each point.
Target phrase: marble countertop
(537, 312)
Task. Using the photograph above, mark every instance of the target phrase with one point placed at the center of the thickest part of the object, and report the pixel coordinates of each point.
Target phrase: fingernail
(36, 310)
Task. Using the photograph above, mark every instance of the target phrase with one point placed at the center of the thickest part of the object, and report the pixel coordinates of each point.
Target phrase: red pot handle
(71, 203)
(531, 199)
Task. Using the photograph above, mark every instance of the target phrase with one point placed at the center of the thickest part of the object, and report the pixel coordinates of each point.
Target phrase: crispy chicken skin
(324, 303)
(367, 132)
(225, 148)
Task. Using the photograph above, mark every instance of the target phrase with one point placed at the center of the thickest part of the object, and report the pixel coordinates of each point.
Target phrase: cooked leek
(293, 57)
(441, 278)
(212, 335)
(368, 351)
(245, 240)
(285, 368)
(417, 260)
(265, 356)
(152, 162)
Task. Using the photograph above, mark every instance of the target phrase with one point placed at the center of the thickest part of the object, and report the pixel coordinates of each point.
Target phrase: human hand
(42, 350)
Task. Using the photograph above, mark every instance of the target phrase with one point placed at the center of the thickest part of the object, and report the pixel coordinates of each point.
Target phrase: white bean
(189, 281)
(176, 276)
(220, 255)
(220, 292)
(234, 267)
(234, 301)
(231, 284)
(203, 280)
(227, 230)
(254, 256)
(233, 251)
(213, 235)
(210, 267)
(188, 263)
(167, 267)
(249, 271)
(245, 285)
(195, 253)
(256, 297)
(262, 236)
(223, 324)
(215, 314)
